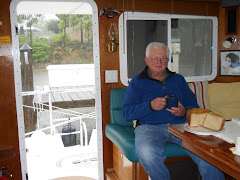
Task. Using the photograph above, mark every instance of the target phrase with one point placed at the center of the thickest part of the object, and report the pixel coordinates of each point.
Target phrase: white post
(81, 132)
(52, 129)
(51, 113)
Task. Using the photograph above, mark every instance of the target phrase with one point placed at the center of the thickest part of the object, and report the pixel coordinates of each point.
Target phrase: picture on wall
(230, 63)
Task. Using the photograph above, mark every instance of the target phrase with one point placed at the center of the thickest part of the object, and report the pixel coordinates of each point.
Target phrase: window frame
(128, 15)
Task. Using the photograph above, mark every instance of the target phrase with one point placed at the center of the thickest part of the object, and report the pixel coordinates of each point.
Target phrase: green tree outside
(59, 48)
(41, 50)
(29, 20)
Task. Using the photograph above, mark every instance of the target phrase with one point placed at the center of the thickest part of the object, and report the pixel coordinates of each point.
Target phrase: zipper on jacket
(163, 90)
(163, 87)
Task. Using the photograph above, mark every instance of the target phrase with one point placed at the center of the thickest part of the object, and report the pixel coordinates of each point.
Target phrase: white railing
(39, 106)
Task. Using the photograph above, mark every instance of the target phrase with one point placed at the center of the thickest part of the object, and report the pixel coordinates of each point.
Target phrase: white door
(56, 7)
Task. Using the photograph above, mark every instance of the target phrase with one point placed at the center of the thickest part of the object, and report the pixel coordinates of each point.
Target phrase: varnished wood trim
(110, 174)
(140, 172)
(175, 159)
(134, 166)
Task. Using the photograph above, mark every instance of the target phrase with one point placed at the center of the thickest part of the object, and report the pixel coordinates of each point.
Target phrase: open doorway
(59, 97)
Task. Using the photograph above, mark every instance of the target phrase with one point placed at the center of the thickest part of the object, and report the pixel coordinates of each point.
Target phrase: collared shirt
(165, 75)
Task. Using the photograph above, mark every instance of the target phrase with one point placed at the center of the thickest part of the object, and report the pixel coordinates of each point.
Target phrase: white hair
(156, 45)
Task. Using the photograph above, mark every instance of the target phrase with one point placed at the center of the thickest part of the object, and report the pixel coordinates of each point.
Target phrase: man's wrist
(185, 112)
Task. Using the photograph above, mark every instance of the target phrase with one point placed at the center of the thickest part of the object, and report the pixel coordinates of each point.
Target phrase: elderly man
(145, 101)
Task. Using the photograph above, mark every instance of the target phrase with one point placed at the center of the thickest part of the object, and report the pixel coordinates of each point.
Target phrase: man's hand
(178, 111)
(158, 103)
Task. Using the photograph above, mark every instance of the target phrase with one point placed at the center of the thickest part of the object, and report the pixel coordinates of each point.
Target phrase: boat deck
(65, 94)
(64, 97)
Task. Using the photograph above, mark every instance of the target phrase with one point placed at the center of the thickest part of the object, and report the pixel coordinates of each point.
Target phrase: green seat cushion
(123, 138)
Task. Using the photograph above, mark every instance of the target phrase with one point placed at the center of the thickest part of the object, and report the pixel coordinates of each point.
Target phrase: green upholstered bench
(121, 132)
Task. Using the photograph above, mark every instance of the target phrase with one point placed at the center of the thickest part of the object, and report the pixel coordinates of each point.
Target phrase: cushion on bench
(123, 138)
(225, 99)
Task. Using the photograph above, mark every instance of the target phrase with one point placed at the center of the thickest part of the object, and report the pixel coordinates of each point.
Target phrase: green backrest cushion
(116, 102)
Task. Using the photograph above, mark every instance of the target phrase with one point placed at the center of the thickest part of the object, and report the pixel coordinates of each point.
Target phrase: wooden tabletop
(210, 148)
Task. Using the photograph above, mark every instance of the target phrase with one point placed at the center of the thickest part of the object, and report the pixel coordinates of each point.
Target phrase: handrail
(39, 106)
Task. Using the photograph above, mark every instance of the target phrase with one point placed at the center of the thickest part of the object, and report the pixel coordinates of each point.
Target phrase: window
(192, 41)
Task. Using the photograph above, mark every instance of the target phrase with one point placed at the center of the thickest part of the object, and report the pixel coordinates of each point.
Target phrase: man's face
(157, 61)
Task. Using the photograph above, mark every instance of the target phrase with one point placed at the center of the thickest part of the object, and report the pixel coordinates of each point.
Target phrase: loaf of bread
(196, 116)
(206, 118)
(214, 121)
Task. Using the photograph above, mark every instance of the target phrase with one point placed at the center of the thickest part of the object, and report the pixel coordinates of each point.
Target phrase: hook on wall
(109, 12)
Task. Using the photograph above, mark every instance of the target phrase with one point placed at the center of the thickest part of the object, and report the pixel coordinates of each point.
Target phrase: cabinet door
(125, 169)
(122, 167)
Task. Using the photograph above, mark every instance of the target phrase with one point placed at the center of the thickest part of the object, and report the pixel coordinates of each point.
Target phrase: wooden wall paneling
(221, 37)
(8, 119)
(152, 6)
(171, 7)
(196, 8)
(108, 61)
(204, 1)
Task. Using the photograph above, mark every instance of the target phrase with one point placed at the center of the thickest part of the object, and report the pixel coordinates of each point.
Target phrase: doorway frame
(18, 82)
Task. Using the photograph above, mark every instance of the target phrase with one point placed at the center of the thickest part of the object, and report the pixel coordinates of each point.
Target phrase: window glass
(140, 34)
(191, 47)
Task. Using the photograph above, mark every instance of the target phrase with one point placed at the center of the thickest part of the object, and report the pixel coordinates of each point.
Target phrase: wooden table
(210, 148)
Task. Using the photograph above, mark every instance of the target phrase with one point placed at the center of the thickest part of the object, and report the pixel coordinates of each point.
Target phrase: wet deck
(66, 97)
(65, 94)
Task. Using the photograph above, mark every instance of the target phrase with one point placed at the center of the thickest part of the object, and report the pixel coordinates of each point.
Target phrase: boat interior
(201, 34)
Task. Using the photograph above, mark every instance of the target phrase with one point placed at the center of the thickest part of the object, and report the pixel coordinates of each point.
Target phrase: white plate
(200, 130)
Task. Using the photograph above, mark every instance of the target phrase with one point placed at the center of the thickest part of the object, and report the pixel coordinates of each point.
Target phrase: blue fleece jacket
(142, 90)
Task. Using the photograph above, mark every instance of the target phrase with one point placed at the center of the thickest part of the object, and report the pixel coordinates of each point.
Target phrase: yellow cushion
(134, 123)
(225, 99)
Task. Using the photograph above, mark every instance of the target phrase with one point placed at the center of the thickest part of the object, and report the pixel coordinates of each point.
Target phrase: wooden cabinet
(125, 169)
